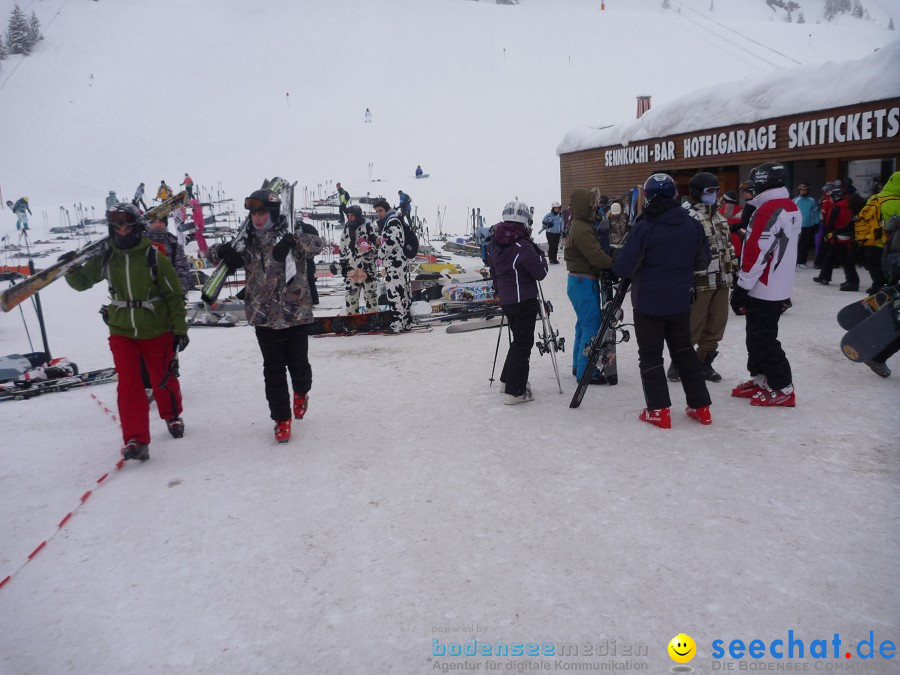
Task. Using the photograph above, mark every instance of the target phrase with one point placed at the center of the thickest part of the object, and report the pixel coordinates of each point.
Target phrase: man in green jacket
(147, 320)
(585, 259)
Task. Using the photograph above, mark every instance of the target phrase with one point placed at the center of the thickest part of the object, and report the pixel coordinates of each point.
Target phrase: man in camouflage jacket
(278, 302)
(709, 311)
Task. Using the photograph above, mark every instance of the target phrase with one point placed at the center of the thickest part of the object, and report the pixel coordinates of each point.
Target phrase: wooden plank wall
(586, 168)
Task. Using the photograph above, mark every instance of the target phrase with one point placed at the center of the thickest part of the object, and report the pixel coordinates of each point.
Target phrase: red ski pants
(134, 408)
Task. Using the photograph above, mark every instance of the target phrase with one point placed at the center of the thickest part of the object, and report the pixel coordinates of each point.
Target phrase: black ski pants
(284, 348)
(806, 242)
(652, 332)
(871, 259)
(552, 246)
(764, 353)
(839, 254)
(521, 317)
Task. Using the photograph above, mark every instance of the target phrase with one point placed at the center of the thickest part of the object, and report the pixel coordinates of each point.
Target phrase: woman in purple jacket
(517, 264)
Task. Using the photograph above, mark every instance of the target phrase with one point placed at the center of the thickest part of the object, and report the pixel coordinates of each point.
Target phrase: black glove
(739, 298)
(333, 269)
(283, 247)
(229, 256)
(181, 342)
(66, 257)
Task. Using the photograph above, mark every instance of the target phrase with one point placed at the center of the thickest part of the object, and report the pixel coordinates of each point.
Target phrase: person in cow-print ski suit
(395, 268)
(358, 251)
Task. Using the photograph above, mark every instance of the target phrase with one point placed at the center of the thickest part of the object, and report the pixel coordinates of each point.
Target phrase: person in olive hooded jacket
(585, 259)
(147, 320)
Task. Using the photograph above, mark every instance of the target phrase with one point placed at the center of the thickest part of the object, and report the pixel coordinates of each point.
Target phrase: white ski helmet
(517, 212)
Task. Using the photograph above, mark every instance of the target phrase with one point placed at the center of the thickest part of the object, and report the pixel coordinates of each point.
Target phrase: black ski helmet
(659, 185)
(767, 176)
(264, 199)
(356, 211)
(701, 182)
(126, 213)
(730, 197)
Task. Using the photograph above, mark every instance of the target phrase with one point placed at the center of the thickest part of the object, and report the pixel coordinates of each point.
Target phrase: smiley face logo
(682, 648)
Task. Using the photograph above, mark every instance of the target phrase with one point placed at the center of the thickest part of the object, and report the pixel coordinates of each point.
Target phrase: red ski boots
(661, 418)
(301, 403)
(283, 431)
(775, 397)
(702, 415)
(745, 389)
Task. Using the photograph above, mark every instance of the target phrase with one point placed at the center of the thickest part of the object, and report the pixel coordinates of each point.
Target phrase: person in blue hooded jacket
(517, 264)
(663, 249)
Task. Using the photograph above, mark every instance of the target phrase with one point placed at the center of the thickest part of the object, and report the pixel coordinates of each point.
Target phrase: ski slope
(411, 501)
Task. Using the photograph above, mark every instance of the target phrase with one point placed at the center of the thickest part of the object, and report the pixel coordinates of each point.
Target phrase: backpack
(867, 224)
(410, 241)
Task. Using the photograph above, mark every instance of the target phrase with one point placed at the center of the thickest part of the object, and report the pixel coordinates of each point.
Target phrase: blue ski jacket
(661, 252)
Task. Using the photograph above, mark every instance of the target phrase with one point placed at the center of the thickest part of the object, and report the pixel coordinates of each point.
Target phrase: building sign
(882, 123)
(861, 126)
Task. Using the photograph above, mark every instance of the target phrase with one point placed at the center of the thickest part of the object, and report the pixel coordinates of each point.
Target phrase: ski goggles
(255, 205)
(711, 190)
(117, 218)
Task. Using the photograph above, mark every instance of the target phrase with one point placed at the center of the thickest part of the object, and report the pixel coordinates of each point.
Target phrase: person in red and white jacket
(764, 283)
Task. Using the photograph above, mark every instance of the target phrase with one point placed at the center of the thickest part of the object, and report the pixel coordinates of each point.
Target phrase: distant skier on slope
(164, 192)
(139, 197)
(405, 207)
(343, 203)
(22, 209)
(188, 183)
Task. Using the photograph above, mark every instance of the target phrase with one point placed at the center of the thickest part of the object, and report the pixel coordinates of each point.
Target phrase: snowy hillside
(411, 505)
(481, 103)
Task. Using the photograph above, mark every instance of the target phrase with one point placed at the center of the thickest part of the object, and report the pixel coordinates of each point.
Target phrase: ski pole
(497, 348)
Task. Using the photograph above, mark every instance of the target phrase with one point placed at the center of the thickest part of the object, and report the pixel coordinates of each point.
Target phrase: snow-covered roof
(789, 91)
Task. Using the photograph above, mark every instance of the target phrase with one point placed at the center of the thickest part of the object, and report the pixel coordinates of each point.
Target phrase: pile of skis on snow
(24, 376)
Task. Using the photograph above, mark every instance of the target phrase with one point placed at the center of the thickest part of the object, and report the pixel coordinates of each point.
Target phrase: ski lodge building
(824, 121)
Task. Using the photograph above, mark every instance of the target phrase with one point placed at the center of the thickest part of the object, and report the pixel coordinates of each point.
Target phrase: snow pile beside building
(784, 92)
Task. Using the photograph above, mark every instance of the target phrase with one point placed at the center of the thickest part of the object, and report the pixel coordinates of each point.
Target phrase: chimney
(643, 105)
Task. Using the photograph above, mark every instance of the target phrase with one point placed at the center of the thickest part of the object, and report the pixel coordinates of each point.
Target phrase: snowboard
(870, 336)
(24, 391)
(14, 295)
(479, 324)
(860, 310)
(478, 290)
(437, 268)
(368, 322)
(424, 175)
(598, 354)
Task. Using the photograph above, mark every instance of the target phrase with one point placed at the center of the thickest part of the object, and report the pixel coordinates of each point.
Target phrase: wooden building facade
(860, 141)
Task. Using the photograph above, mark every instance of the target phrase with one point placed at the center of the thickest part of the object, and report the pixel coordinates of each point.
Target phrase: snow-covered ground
(411, 501)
